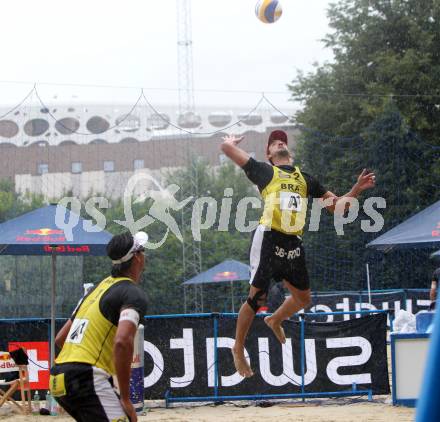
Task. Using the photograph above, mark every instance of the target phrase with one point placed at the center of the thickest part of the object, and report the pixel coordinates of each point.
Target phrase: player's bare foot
(276, 328)
(241, 364)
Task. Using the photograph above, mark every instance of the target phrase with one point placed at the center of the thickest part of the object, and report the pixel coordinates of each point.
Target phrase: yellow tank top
(285, 202)
(90, 338)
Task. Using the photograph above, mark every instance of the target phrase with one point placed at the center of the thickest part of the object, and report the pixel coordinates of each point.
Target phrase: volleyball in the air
(268, 11)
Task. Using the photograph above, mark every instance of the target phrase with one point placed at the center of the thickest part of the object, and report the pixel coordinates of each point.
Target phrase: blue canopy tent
(36, 233)
(422, 230)
(227, 271)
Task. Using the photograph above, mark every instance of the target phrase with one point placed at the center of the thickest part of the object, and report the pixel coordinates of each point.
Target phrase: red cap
(276, 135)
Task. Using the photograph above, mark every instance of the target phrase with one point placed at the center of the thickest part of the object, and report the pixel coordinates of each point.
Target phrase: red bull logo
(10, 364)
(44, 232)
(226, 275)
(436, 231)
(6, 362)
(42, 235)
(4, 356)
(67, 249)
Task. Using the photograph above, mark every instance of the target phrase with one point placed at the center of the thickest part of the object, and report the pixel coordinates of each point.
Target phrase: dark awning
(422, 230)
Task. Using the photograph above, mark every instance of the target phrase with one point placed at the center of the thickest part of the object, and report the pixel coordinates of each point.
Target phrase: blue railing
(353, 391)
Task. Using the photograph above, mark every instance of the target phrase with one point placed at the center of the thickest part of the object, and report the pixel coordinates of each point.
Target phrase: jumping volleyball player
(276, 250)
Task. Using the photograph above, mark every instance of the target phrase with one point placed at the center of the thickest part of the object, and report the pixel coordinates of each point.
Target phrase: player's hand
(129, 409)
(232, 139)
(366, 180)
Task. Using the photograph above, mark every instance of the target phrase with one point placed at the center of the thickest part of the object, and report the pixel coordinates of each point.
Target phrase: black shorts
(277, 256)
(86, 393)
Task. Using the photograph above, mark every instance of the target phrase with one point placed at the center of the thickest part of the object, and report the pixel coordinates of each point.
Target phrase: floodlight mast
(191, 249)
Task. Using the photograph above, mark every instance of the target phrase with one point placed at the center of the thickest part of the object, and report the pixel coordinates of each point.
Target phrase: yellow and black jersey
(95, 320)
(284, 190)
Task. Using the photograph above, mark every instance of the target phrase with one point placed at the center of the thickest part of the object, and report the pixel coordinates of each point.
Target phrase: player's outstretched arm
(366, 180)
(231, 149)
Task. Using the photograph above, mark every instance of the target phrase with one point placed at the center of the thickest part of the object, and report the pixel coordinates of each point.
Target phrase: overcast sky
(133, 44)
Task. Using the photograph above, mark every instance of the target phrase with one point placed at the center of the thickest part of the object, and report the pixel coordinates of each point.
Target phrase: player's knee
(305, 298)
(259, 299)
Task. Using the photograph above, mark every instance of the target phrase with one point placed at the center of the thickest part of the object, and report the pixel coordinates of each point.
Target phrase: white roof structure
(123, 123)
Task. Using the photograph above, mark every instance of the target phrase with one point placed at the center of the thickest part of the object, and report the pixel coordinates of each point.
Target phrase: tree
(376, 106)
(382, 49)
(13, 204)
(163, 278)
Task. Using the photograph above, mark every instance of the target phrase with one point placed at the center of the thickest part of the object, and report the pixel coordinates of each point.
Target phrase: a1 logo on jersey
(77, 331)
(290, 201)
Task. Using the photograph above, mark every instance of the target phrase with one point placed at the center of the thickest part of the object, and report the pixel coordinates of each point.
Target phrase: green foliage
(29, 277)
(381, 48)
(164, 275)
(12, 204)
(376, 106)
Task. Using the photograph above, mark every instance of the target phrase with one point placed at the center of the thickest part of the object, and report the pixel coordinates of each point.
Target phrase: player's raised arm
(366, 180)
(231, 149)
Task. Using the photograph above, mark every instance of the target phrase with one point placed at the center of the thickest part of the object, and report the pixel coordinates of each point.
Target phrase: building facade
(95, 149)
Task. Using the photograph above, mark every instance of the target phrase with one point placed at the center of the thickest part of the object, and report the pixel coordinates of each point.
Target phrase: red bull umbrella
(229, 271)
(36, 233)
(52, 231)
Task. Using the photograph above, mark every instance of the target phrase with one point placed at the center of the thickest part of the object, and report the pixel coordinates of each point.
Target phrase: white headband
(139, 241)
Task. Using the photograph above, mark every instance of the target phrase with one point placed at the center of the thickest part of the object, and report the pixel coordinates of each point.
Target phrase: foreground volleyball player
(97, 341)
(276, 250)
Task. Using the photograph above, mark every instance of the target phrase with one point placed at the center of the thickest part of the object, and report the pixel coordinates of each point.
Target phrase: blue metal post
(303, 365)
(405, 296)
(393, 368)
(428, 405)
